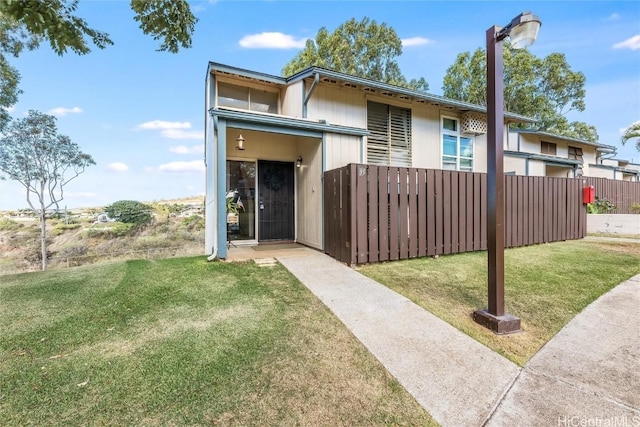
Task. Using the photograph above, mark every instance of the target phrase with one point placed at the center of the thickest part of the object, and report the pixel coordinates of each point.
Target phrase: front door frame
(290, 170)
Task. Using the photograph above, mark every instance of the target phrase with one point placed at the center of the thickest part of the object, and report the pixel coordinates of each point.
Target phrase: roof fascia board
(213, 67)
(616, 168)
(286, 122)
(562, 138)
(360, 81)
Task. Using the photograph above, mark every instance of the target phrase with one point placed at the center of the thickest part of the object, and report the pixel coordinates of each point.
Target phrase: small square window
(548, 148)
(450, 124)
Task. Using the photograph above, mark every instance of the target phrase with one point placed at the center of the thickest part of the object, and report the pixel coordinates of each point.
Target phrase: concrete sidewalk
(590, 370)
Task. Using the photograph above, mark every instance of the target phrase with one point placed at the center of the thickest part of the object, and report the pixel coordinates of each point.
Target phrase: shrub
(601, 206)
(635, 208)
(193, 223)
(130, 212)
(114, 229)
(8, 225)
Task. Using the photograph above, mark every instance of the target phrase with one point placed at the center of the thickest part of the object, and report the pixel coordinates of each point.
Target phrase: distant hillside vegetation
(79, 238)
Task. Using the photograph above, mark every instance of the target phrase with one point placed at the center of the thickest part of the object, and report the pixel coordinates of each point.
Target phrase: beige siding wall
(529, 143)
(338, 106)
(588, 157)
(292, 100)
(517, 165)
(480, 153)
(601, 172)
(263, 146)
(427, 148)
(341, 150)
(558, 171)
(309, 195)
(537, 168)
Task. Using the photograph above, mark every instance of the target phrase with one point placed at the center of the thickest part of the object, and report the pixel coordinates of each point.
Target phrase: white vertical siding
(309, 212)
(517, 165)
(292, 100)
(341, 150)
(338, 106)
(426, 145)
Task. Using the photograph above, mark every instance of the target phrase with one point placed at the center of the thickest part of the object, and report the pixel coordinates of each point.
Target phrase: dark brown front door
(275, 201)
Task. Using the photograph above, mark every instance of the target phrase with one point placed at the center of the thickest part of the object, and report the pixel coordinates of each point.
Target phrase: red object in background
(588, 194)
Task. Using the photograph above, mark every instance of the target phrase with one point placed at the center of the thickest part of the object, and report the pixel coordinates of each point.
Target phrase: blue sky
(140, 113)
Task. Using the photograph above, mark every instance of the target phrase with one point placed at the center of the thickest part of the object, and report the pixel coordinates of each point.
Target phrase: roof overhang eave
(414, 94)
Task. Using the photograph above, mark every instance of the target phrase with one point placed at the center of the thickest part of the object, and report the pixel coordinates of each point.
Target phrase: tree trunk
(43, 236)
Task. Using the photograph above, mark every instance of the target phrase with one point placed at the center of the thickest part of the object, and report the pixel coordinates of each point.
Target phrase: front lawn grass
(545, 285)
(184, 342)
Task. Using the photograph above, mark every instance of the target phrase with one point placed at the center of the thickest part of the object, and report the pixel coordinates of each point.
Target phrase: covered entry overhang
(281, 201)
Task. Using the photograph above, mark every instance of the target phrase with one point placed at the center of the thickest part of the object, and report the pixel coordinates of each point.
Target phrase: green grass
(184, 342)
(545, 285)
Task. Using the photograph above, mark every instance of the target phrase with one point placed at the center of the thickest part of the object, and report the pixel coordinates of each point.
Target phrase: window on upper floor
(247, 98)
(575, 153)
(457, 148)
(389, 141)
(548, 148)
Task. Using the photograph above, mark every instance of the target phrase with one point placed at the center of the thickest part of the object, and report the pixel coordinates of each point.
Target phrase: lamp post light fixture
(522, 31)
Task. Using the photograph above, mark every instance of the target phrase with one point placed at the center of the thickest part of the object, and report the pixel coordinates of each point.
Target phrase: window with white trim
(457, 149)
(247, 98)
(389, 141)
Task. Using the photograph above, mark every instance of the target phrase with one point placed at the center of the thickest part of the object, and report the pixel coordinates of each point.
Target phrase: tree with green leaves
(632, 132)
(43, 162)
(130, 212)
(364, 49)
(24, 24)
(542, 88)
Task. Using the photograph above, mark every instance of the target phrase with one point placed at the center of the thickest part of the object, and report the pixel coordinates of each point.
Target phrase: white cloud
(162, 125)
(614, 17)
(415, 41)
(193, 166)
(183, 149)
(271, 40)
(632, 43)
(117, 167)
(63, 111)
(9, 109)
(171, 130)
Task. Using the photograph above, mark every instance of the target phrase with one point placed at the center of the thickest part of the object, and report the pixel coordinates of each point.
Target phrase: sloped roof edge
(562, 137)
(360, 81)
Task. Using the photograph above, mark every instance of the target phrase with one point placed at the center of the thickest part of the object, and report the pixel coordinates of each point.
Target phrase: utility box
(588, 194)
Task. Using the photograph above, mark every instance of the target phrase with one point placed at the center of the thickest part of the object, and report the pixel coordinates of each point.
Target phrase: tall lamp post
(522, 31)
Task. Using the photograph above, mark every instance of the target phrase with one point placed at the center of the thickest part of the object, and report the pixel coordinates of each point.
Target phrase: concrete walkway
(591, 370)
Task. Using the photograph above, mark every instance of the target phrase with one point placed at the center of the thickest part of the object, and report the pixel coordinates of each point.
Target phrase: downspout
(214, 254)
(307, 96)
(526, 165)
(518, 142)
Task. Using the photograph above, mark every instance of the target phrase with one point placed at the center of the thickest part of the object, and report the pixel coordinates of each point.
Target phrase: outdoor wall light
(299, 162)
(522, 30)
(240, 142)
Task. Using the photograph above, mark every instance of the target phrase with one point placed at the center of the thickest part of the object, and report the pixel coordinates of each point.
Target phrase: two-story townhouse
(538, 153)
(617, 169)
(269, 139)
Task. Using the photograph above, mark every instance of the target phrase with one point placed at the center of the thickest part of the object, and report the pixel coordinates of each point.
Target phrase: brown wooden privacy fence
(623, 194)
(379, 213)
